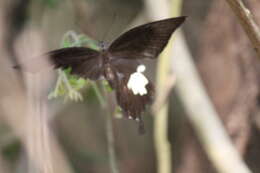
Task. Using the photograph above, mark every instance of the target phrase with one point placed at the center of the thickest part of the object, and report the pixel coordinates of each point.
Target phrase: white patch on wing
(138, 81)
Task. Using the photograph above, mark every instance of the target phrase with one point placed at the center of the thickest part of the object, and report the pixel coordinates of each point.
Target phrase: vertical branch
(13, 93)
(247, 21)
(202, 115)
(111, 143)
(160, 9)
(38, 140)
(106, 105)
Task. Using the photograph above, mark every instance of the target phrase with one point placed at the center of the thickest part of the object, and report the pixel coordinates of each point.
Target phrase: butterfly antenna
(108, 31)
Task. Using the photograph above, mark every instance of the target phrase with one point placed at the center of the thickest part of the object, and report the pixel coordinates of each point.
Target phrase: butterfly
(120, 63)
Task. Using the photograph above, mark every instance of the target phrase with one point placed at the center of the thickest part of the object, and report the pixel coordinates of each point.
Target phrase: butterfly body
(110, 75)
(119, 61)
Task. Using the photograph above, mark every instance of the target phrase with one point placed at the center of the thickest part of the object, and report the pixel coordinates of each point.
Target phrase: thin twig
(247, 21)
(105, 103)
(111, 143)
(99, 95)
(107, 106)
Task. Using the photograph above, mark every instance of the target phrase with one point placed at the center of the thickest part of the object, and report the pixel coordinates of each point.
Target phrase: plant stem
(111, 143)
(65, 79)
(160, 9)
(100, 97)
(107, 106)
(247, 21)
(58, 83)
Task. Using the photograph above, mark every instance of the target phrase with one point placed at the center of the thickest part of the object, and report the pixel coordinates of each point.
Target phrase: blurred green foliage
(12, 151)
(50, 3)
(72, 39)
(68, 85)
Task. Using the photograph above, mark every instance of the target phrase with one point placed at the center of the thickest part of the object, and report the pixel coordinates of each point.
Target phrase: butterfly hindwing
(133, 105)
(145, 41)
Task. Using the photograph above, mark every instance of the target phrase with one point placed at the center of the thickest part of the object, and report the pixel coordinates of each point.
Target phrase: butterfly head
(103, 45)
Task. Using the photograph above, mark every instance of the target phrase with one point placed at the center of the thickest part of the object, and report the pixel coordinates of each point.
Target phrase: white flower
(138, 81)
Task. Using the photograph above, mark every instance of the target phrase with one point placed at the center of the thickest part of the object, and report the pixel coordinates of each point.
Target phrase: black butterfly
(120, 60)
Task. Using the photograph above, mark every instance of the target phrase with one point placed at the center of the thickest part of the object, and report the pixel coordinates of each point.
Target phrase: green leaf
(106, 86)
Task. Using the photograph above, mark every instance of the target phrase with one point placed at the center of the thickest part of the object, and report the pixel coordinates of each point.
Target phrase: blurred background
(71, 136)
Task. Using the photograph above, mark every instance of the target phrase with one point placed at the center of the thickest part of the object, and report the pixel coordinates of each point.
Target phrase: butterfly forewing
(145, 41)
(125, 66)
(83, 62)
